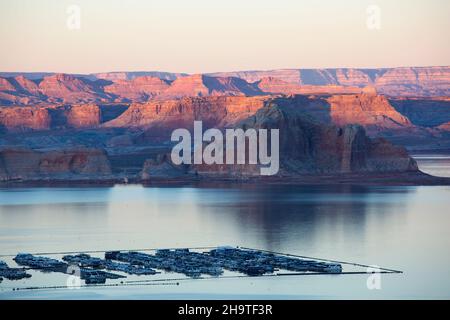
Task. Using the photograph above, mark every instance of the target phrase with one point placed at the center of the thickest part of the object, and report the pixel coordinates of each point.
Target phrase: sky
(197, 36)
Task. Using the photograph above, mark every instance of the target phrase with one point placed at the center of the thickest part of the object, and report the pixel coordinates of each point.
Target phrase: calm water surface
(403, 228)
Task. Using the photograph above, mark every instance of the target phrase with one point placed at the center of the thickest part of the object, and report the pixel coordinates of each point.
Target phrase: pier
(192, 263)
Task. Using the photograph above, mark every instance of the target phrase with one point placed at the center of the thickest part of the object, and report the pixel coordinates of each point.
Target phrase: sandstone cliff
(407, 81)
(309, 147)
(142, 86)
(171, 114)
(306, 148)
(139, 89)
(200, 86)
(69, 89)
(24, 118)
(277, 86)
(83, 116)
(370, 110)
(80, 163)
(367, 110)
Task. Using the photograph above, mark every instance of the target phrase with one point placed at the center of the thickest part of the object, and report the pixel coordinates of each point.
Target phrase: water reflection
(272, 217)
(303, 217)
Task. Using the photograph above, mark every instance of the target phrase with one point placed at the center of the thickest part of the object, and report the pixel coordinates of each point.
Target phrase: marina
(187, 263)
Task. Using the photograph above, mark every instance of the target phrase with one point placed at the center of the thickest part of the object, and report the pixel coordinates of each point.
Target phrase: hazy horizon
(200, 36)
(221, 71)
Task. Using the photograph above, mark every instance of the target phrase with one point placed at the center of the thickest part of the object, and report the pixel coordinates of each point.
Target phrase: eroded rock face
(83, 116)
(21, 119)
(66, 88)
(27, 85)
(142, 86)
(306, 148)
(277, 86)
(171, 114)
(408, 81)
(139, 89)
(24, 118)
(201, 86)
(5, 85)
(373, 112)
(114, 76)
(367, 109)
(78, 163)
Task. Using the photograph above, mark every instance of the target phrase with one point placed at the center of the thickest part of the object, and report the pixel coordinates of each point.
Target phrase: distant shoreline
(386, 179)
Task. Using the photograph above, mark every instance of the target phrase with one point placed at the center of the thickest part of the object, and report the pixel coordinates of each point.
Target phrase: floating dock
(193, 263)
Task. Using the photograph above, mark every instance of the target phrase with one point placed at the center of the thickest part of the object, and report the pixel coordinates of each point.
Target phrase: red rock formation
(79, 163)
(373, 112)
(366, 110)
(68, 89)
(141, 86)
(277, 86)
(5, 85)
(187, 86)
(214, 111)
(27, 85)
(139, 89)
(200, 86)
(83, 116)
(114, 76)
(24, 118)
(352, 77)
(306, 148)
(309, 147)
(409, 81)
(18, 91)
(414, 82)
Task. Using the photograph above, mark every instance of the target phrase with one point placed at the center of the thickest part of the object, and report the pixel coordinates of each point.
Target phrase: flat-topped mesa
(367, 109)
(68, 164)
(23, 119)
(406, 81)
(306, 147)
(139, 89)
(18, 91)
(274, 85)
(130, 75)
(432, 79)
(374, 112)
(171, 114)
(5, 85)
(187, 86)
(69, 89)
(83, 116)
(199, 85)
(19, 119)
(142, 86)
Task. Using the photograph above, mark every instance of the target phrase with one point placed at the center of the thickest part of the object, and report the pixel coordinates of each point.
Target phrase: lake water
(404, 228)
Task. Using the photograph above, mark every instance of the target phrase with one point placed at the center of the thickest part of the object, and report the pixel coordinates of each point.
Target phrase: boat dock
(193, 263)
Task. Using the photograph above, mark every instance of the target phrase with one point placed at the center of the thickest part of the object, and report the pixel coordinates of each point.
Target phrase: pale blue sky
(221, 35)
